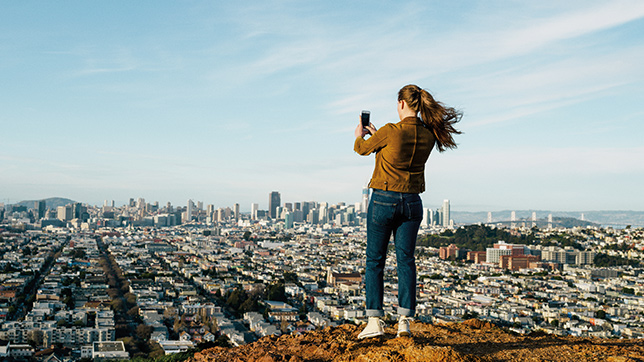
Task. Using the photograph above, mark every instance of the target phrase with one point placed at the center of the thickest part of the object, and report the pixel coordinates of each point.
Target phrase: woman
(395, 206)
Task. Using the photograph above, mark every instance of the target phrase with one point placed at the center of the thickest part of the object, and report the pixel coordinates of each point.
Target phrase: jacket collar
(411, 120)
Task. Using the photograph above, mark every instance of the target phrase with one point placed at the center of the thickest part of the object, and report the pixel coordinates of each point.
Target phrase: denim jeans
(399, 214)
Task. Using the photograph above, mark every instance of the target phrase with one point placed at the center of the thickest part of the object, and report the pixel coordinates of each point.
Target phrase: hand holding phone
(364, 117)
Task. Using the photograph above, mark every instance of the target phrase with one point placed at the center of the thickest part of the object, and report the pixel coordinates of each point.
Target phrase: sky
(224, 102)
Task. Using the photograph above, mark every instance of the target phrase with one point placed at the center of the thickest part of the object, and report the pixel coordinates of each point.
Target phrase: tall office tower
(489, 217)
(583, 218)
(534, 219)
(513, 219)
(210, 209)
(314, 216)
(288, 219)
(189, 210)
(65, 213)
(446, 215)
(323, 212)
(237, 216)
(132, 204)
(77, 210)
(365, 199)
(280, 212)
(253, 211)
(169, 208)
(549, 221)
(288, 206)
(40, 208)
(438, 217)
(305, 209)
(199, 205)
(298, 206)
(357, 207)
(273, 203)
(106, 203)
(426, 218)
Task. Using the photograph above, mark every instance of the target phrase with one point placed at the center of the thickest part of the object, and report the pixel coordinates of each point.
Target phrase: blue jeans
(399, 214)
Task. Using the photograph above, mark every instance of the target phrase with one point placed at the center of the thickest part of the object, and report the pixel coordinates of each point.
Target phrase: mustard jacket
(401, 152)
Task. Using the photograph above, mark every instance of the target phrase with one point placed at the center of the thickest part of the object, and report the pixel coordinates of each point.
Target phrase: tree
(134, 311)
(143, 331)
(179, 325)
(155, 350)
(276, 292)
(290, 277)
(249, 305)
(303, 311)
(35, 337)
(117, 305)
(627, 290)
(130, 299)
(170, 313)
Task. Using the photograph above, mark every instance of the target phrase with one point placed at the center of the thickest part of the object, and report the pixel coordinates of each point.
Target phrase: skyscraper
(322, 214)
(427, 218)
(273, 203)
(40, 208)
(446, 215)
(365, 199)
(288, 220)
(253, 211)
(306, 206)
(190, 207)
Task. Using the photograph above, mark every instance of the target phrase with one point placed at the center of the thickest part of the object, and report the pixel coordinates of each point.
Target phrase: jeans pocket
(383, 212)
(415, 210)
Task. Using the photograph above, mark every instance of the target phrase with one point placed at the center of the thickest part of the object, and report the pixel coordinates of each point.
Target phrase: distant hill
(617, 219)
(51, 203)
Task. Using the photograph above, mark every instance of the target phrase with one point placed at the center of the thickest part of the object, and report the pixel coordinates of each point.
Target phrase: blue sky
(223, 102)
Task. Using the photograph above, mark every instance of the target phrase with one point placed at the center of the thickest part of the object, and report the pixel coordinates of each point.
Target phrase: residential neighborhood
(95, 288)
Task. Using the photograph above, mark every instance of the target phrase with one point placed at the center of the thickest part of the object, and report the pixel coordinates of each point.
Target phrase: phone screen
(365, 118)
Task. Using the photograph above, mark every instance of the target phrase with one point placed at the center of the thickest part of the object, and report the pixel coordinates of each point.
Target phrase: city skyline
(221, 102)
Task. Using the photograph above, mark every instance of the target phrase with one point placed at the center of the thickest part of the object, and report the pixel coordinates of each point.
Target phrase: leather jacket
(402, 149)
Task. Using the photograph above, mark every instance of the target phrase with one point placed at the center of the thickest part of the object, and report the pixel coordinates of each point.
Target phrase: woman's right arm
(377, 140)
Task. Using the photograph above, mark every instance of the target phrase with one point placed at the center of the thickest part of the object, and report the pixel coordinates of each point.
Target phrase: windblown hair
(437, 117)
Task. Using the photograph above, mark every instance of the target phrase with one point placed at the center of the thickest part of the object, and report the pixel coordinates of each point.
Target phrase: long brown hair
(439, 118)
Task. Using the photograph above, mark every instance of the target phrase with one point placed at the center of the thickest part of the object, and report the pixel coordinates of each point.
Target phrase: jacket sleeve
(375, 143)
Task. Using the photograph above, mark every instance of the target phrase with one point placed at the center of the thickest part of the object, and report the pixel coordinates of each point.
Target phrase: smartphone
(365, 118)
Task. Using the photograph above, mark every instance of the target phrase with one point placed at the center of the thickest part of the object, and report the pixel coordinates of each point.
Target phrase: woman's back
(408, 146)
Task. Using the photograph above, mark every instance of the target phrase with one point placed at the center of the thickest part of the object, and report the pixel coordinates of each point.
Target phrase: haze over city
(224, 102)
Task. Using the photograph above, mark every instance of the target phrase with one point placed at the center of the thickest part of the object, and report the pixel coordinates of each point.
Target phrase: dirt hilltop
(471, 340)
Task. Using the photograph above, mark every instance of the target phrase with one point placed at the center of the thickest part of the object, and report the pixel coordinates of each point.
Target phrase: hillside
(471, 340)
(51, 203)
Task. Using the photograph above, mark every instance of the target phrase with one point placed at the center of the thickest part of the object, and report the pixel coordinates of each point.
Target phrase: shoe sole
(372, 335)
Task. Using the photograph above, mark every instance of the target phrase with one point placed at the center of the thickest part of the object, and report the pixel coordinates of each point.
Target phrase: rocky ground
(471, 340)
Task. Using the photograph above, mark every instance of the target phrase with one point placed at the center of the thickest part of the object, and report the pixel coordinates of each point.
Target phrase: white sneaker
(375, 328)
(403, 327)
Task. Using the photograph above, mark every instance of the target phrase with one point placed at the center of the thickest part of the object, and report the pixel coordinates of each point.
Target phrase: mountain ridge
(50, 203)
